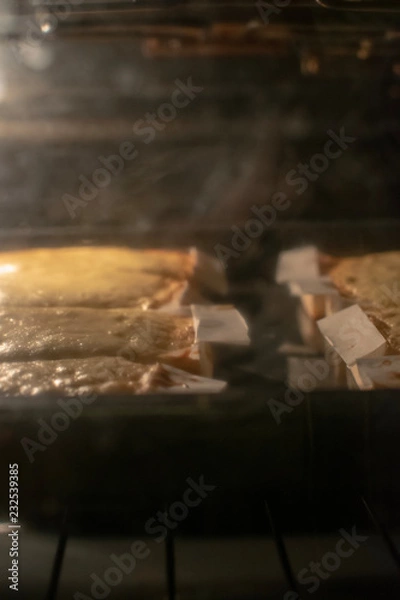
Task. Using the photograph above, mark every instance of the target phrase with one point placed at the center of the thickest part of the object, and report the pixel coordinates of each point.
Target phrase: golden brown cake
(76, 377)
(93, 276)
(373, 281)
(60, 333)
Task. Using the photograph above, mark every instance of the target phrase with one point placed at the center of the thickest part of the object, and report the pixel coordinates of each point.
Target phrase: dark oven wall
(214, 113)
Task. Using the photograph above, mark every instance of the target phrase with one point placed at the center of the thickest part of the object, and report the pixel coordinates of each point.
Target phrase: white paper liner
(299, 263)
(221, 324)
(212, 324)
(168, 380)
(377, 373)
(321, 286)
(351, 333)
(299, 269)
(314, 294)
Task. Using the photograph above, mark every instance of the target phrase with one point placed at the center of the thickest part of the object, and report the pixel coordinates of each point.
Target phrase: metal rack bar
(383, 533)
(58, 560)
(170, 566)
(282, 552)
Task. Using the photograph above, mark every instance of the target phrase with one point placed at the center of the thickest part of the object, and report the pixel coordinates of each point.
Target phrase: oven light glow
(4, 269)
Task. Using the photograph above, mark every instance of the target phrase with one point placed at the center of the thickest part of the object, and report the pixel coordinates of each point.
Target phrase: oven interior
(272, 80)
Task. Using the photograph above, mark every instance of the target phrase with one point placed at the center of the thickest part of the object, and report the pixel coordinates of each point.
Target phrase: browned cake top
(53, 333)
(373, 281)
(92, 276)
(75, 377)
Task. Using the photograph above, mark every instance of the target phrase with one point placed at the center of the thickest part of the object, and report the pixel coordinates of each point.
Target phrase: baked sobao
(76, 377)
(68, 333)
(85, 318)
(94, 276)
(372, 281)
(86, 379)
